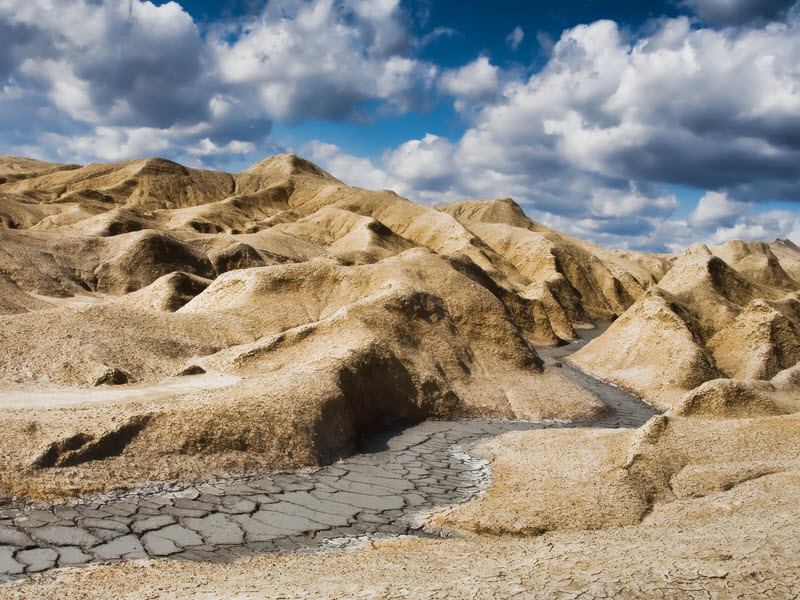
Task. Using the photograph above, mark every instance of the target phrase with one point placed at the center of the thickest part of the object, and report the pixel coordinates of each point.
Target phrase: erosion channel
(383, 491)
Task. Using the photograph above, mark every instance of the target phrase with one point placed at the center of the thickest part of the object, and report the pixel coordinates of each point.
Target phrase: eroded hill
(164, 322)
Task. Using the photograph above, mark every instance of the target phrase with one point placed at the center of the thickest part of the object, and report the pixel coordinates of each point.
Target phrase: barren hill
(727, 313)
(274, 317)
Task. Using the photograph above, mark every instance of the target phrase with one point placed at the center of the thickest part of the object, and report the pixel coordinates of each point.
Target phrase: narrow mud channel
(381, 492)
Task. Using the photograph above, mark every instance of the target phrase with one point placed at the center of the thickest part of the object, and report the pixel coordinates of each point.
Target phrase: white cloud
(109, 62)
(206, 147)
(427, 163)
(716, 209)
(514, 39)
(358, 172)
(592, 136)
(472, 84)
(323, 59)
(99, 69)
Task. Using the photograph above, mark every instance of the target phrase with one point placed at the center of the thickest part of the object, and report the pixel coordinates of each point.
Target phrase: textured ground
(166, 324)
(736, 544)
(385, 491)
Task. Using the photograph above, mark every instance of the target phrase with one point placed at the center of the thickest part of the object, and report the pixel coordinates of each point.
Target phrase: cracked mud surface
(380, 492)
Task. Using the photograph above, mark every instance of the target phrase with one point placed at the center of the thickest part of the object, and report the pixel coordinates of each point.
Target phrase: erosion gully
(383, 491)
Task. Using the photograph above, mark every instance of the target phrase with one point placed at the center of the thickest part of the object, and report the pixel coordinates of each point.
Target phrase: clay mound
(74, 347)
(14, 301)
(712, 288)
(284, 166)
(730, 326)
(654, 349)
(758, 344)
(153, 183)
(288, 297)
(283, 247)
(49, 265)
(68, 217)
(788, 254)
(789, 306)
(542, 257)
(729, 399)
(501, 211)
(236, 256)
(137, 259)
(561, 314)
(404, 339)
(353, 237)
(657, 265)
(16, 168)
(285, 296)
(167, 293)
(234, 214)
(552, 481)
(588, 479)
(533, 315)
(757, 262)
(603, 283)
(423, 226)
(116, 221)
(20, 212)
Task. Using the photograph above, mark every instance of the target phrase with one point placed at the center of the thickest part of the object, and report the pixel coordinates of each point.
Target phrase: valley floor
(737, 544)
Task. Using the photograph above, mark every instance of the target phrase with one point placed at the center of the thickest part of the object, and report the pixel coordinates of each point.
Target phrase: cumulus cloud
(719, 218)
(739, 12)
(596, 133)
(110, 62)
(514, 39)
(324, 59)
(716, 209)
(474, 83)
(428, 163)
(355, 171)
(107, 69)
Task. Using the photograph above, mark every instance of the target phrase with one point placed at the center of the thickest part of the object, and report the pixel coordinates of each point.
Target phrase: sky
(641, 125)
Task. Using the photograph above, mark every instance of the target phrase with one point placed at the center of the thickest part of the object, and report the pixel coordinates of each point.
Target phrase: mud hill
(167, 322)
(725, 313)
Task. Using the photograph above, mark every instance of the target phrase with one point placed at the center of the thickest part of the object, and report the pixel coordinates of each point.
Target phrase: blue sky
(646, 125)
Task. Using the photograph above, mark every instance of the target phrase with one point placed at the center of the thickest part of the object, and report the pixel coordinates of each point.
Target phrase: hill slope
(274, 317)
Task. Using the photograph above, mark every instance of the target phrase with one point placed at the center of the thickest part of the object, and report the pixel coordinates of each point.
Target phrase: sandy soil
(84, 398)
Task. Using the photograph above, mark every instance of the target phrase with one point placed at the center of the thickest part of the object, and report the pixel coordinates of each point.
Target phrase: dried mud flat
(388, 490)
(162, 328)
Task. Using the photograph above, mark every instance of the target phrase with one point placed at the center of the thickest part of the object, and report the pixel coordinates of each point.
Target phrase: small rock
(112, 376)
(192, 370)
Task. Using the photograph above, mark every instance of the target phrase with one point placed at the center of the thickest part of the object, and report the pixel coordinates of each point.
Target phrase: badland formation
(179, 331)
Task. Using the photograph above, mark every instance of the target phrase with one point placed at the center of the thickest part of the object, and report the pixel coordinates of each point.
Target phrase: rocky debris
(192, 370)
(112, 376)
